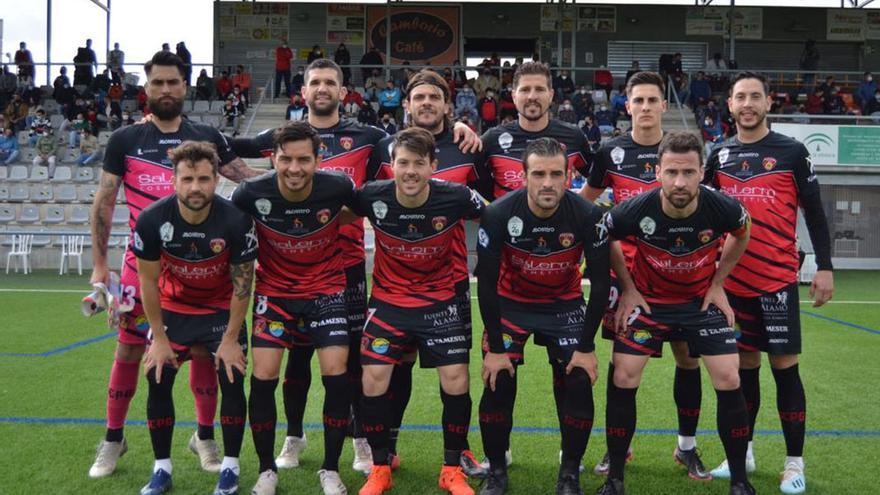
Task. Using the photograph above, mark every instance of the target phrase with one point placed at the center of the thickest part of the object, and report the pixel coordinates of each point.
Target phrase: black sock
(496, 418)
(792, 405)
(356, 387)
(688, 395)
(751, 388)
(263, 415)
(558, 371)
(375, 414)
(456, 423)
(399, 392)
(577, 418)
(114, 434)
(295, 389)
(160, 411)
(620, 424)
(337, 416)
(233, 408)
(733, 428)
(206, 432)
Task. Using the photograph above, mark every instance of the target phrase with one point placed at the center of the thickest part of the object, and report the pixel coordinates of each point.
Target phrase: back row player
(137, 158)
(346, 146)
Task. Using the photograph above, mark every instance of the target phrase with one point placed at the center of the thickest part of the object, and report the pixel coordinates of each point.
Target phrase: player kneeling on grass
(531, 244)
(675, 290)
(413, 301)
(195, 254)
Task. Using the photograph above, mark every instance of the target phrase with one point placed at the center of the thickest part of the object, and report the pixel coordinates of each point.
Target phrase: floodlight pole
(731, 33)
(48, 43)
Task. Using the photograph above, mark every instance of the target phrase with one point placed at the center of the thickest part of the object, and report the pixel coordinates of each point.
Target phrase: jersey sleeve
(711, 168)
(360, 202)
(240, 197)
(804, 173)
(224, 151)
(618, 221)
(597, 256)
(258, 146)
(376, 159)
(489, 244)
(244, 243)
(810, 200)
(597, 176)
(146, 245)
(472, 203)
(586, 153)
(114, 155)
(731, 215)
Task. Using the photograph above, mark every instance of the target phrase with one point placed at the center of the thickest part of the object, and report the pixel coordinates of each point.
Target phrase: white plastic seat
(120, 215)
(19, 192)
(4, 192)
(62, 174)
(53, 214)
(22, 244)
(7, 213)
(84, 174)
(18, 173)
(29, 214)
(39, 174)
(78, 215)
(41, 193)
(65, 193)
(71, 247)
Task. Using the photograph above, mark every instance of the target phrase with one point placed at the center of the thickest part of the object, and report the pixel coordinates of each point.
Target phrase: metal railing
(256, 108)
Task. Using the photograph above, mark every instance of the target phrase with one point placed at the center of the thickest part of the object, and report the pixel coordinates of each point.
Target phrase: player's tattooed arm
(102, 221)
(229, 354)
(242, 280)
(237, 170)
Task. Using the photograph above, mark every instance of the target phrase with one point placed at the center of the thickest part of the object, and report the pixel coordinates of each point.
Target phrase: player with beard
(195, 255)
(674, 287)
(137, 158)
(772, 175)
(427, 102)
(346, 146)
(626, 164)
(505, 144)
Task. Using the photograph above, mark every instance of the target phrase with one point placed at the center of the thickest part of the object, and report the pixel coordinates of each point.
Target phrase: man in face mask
(865, 91)
(298, 80)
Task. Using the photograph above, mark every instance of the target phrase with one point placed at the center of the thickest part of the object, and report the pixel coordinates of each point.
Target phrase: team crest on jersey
(297, 223)
(505, 140)
(566, 239)
(263, 206)
(542, 243)
(648, 225)
(323, 151)
(617, 155)
(412, 229)
(679, 242)
(515, 226)
(166, 232)
(217, 245)
(483, 237)
(439, 223)
(380, 209)
(346, 142)
(723, 155)
(705, 235)
(769, 163)
(648, 173)
(324, 215)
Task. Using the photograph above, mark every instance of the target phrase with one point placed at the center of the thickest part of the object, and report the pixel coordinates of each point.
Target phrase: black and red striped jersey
(300, 254)
(771, 177)
(540, 258)
(195, 259)
(675, 257)
(504, 145)
(453, 165)
(413, 265)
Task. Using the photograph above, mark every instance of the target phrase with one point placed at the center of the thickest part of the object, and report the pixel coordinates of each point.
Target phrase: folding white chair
(71, 247)
(21, 250)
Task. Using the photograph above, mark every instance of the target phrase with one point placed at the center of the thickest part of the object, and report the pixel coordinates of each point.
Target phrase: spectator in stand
(605, 119)
(166, 47)
(873, 106)
(508, 107)
(8, 86)
(231, 114)
(223, 85)
(297, 110)
(16, 113)
(342, 57)
(713, 133)
(506, 73)
(827, 86)
(677, 67)
(834, 104)
(352, 102)
(86, 64)
(592, 132)
(710, 110)
(371, 91)
(8, 146)
(387, 124)
(577, 180)
(632, 70)
(298, 80)
(377, 81)
(75, 128)
(700, 91)
(681, 85)
(816, 102)
(865, 91)
(563, 86)
(372, 57)
(458, 74)
(618, 103)
(116, 63)
(390, 100)
(46, 149)
(367, 115)
(31, 95)
(61, 82)
(243, 80)
(238, 98)
(583, 102)
(101, 83)
(809, 62)
(283, 59)
(487, 107)
(602, 79)
(89, 150)
(487, 81)
(204, 86)
(127, 120)
(713, 69)
(39, 125)
(450, 81)
(566, 112)
(466, 103)
(141, 99)
(316, 53)
(24, 61)
(186, 56)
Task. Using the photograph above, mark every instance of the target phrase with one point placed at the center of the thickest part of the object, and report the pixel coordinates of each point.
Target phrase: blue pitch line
(59, 350)
(516, 429)
(842, 322)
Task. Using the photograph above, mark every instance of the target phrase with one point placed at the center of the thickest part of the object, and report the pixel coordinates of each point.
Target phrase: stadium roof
(828, 4)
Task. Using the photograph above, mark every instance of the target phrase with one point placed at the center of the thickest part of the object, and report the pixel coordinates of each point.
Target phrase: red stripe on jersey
(144, 183)
(771, 200)
(195, 287)
(353, 164)
(668, 278)
(626, 187)
(414, 273)
(531, 278)
(300, 267)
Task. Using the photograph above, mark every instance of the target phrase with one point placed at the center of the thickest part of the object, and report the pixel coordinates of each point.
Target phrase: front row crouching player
(530, 246)
(188, 246)
(675, 289)
(299, 292)
(413, 302)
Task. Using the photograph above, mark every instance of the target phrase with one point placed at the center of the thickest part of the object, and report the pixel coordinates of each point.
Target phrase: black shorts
(283, 323)
(608, 320)
(436, 331)
(706, 332)
(769, 323)
(185, 331)
(560, 326)
(463, 298)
